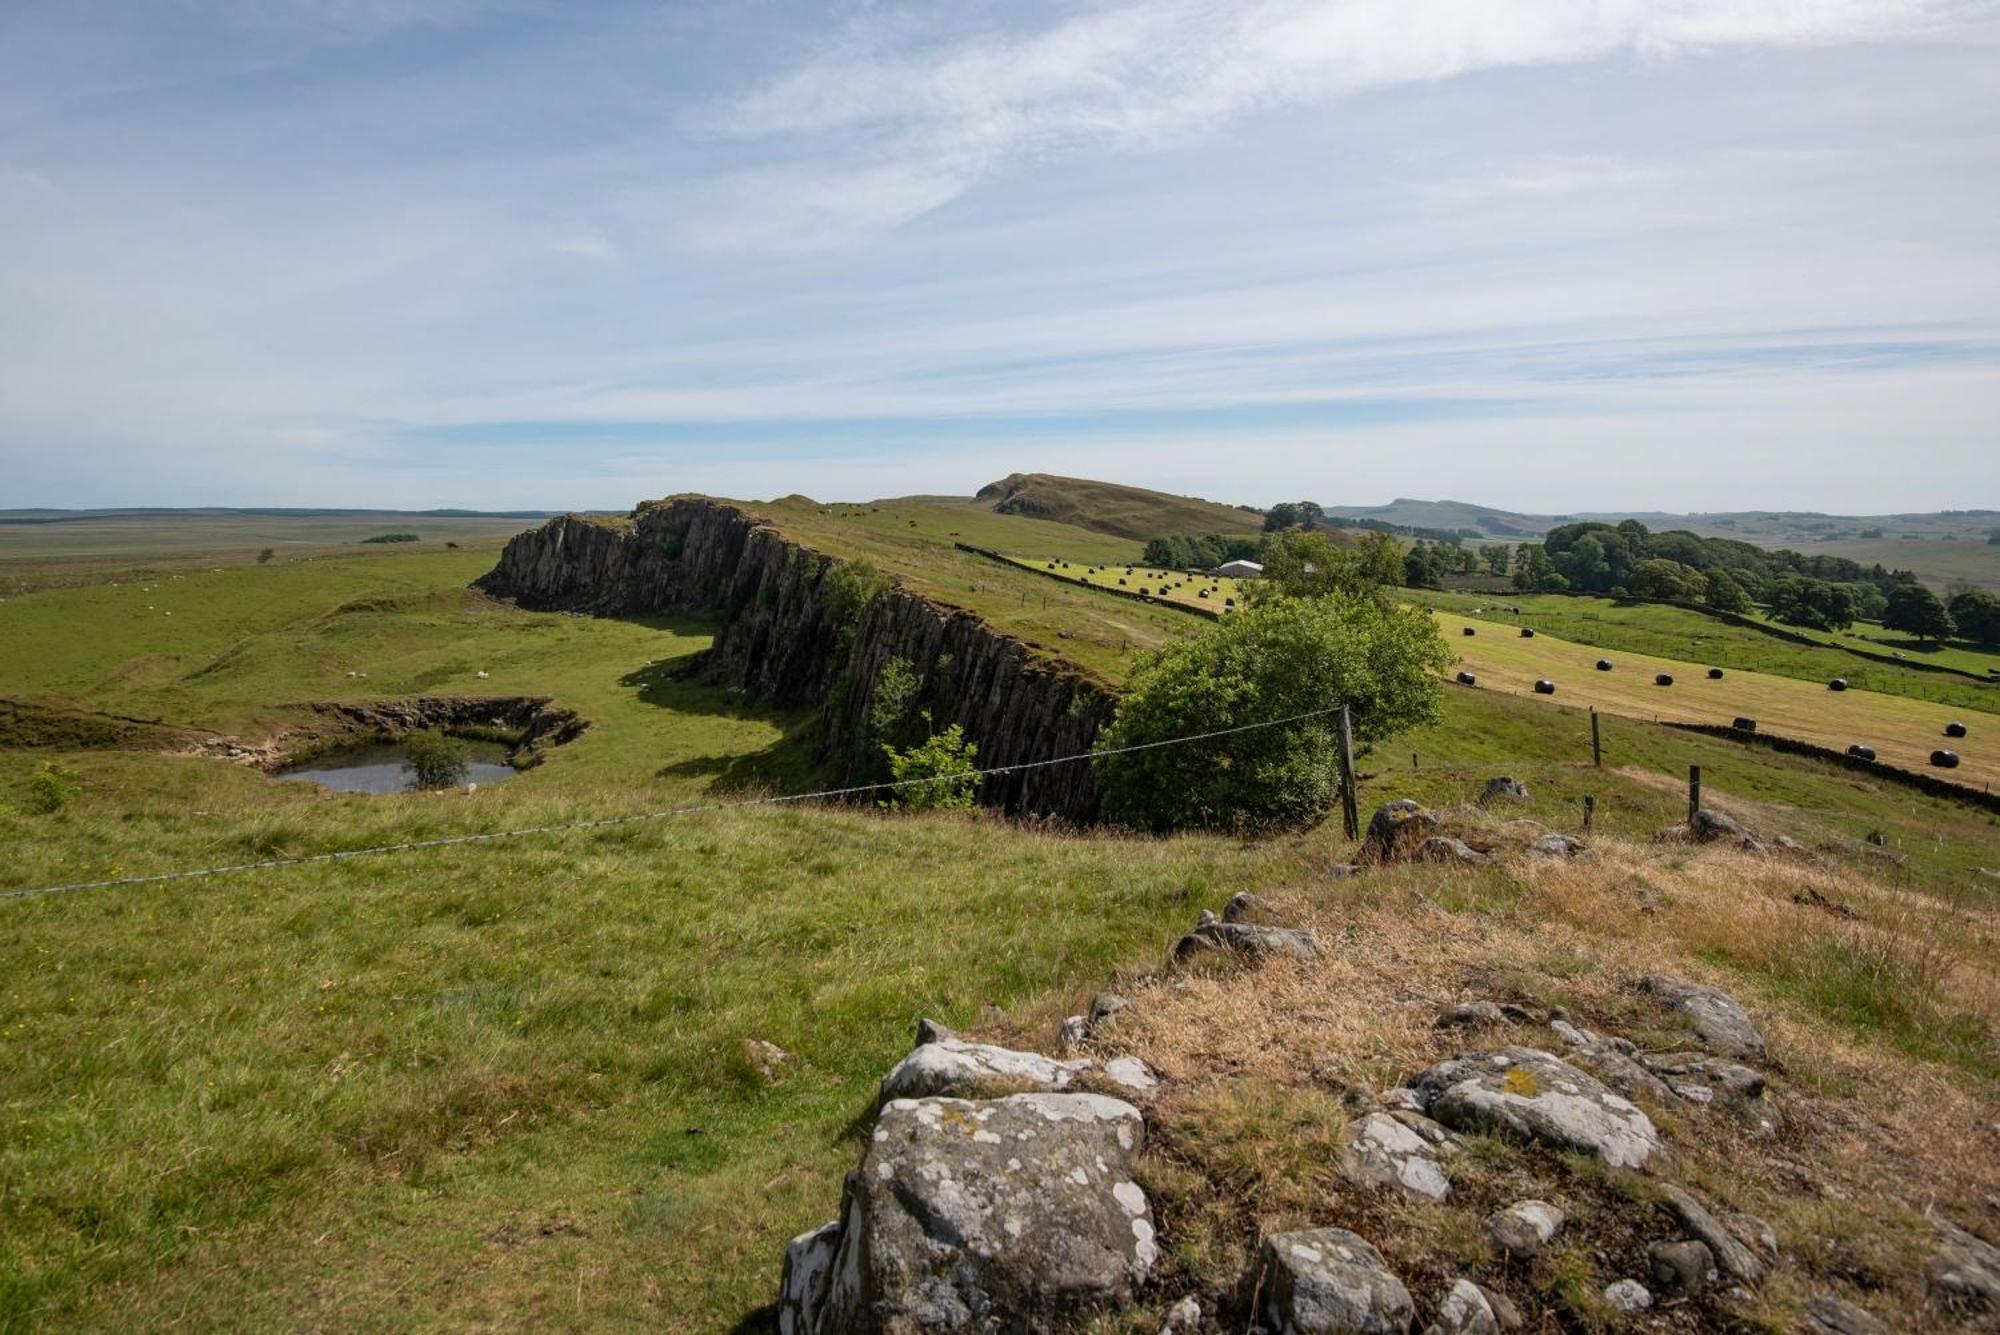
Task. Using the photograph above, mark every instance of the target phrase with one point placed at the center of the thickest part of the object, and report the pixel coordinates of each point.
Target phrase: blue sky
(1598, 254)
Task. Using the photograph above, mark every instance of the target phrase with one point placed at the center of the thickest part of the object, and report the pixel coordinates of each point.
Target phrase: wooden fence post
(1596, 740)
(1350, 809)
(1589, 811)
(1694, 791)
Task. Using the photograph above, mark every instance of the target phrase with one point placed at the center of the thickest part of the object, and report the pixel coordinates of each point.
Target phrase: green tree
(1812, 603)
(941, 772)
(1283, 657)
(437, 760)
(1725, 594)
(1303, 563)
(1496, 555)
(1976, 613)
(1381, 559)
(893, 716)
(1667, 579)
(1915, 610)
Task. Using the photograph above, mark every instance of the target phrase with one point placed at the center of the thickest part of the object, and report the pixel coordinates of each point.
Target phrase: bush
(264, 557)
(393, 537)
(1284, 657)
(894, 719)
(51, 788)
(947, 758)
(437, 760)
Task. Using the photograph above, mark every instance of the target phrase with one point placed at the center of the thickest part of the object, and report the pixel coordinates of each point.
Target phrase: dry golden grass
(1880, 1008)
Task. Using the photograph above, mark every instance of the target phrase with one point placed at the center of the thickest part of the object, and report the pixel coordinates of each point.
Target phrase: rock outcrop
(1328, 1281)
(1534, 1095)
(794, 634)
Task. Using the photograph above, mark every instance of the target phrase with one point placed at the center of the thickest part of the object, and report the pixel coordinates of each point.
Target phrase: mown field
(1208, 592)
(1673, 632)
(512, 1083)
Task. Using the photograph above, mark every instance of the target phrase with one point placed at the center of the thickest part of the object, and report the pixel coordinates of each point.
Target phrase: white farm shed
(1238, 570)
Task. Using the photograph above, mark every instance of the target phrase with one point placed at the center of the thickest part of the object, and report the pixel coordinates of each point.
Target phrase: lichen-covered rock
(1396, 829)
(1253, 940)
(802, 1283)
(1183, 1317)
(1444, 848)
(1384, 1152)
(1965, 1269)
(1524, 1228)
(1470, 1014)
(1019, 1212)
(1535, 1095)
(1718, 1022)
(1732, 1258)
(1465, 1311)
(1701, 1078)
(1328, 1281)
(1628, 1296)
(1246, 907)
(1131, 1075)
(1503, 787)
(1831, 1315)
(955, 1066)
(1557, 848)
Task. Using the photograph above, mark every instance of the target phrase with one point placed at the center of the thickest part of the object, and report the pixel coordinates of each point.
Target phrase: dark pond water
(380, 768)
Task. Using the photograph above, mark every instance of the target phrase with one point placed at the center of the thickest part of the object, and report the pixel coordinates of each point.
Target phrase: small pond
(379, 768)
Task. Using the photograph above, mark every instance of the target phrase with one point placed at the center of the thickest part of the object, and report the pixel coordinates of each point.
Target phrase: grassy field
(1903, 731)
(1207, 592)
(1672, 632)
(1939, 562)
(513, 1082)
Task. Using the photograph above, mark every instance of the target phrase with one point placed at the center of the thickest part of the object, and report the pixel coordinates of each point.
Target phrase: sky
(1548, 255)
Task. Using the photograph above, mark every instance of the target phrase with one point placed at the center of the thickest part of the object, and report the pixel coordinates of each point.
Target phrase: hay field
(1902, 731)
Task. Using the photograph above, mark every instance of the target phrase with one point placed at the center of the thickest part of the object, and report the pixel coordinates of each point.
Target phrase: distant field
(1209, 592)
(1902, 731)
(1673, 632)
(1936, 561)
(92, 550)
(1107, 507)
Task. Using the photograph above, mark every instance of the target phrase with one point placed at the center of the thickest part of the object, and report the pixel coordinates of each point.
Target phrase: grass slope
(513, 1082)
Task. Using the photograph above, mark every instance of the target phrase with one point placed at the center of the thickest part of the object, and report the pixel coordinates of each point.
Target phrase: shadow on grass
(789, 765)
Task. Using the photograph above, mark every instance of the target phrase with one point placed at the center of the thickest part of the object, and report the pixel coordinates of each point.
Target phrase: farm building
(1238, 570)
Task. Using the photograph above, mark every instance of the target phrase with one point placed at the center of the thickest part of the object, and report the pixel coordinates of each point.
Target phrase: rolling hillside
(1107, 507)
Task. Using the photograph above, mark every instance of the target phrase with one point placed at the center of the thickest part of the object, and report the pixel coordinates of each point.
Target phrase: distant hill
(154, 514)
(1107, 507)
(1766, 528)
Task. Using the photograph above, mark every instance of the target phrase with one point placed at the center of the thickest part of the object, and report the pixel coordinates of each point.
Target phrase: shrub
(1281, 658)
(393, 537)
(264, 557)
(438, 761)
(949, 759)
(893, 717)
(52, 787)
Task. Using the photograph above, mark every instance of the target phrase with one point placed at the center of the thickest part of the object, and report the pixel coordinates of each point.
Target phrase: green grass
(1673, 632)
(1109, 507)
(505, 1083)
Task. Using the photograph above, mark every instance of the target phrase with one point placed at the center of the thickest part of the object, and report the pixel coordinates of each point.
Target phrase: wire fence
(606, 822)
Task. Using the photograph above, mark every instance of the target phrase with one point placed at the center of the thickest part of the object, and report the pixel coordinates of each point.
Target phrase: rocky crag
(794, 632)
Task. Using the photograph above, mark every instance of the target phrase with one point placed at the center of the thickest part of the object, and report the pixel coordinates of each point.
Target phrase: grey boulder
(954, 1066)
(1524, 1228)
(1535, 1095)
(1327, 1281)
(1732, 1258)
(1628, 1296)
(1383, 1151)
(802, 1283)
(1444, 848)
(1020, 1212)
(1718, 1022)
(1502, 787)
(1557, 848)
(1682, 1267)
(1965, 1269)
(1252, 940)
(1396, 828)
(1465, 1311)
(1828, 1315)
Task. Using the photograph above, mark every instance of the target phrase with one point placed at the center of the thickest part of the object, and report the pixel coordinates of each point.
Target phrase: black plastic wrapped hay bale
(1663, 679)
(1743, 724)
(1954, 729)
(1860, 752)
(1945, 759)
(1467, 679)
(1469, 631)
(1527, 632)
(1604, 665)
(1837, 684)
(1715, 674)
(1545, 687)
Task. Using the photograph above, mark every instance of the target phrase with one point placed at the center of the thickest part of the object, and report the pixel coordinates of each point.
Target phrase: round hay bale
(1545, 687)
(1469, 631)
(1860, 752)
(1715, 674)
(1837, 684)
(1743, 724)
(1604, 665)
(1954, 729)
(1945, 759)
(1527, 632)
(1663, 679)
(1467, 679)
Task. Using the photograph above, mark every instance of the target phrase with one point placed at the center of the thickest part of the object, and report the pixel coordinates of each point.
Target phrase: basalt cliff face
(788, 637)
